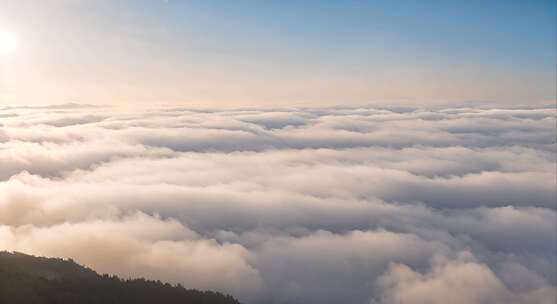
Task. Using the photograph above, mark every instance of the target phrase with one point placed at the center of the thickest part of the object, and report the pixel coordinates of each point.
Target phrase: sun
(8, 43)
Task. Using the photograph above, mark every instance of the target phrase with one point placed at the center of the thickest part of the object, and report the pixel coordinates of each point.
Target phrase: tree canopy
(26, 279)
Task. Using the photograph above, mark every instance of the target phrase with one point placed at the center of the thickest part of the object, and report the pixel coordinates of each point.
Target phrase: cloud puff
(311, 205)
(460, 281)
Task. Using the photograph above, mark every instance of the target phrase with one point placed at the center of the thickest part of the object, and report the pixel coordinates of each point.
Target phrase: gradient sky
(278, 52)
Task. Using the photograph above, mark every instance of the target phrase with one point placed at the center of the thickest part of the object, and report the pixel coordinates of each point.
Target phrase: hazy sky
(221, 53)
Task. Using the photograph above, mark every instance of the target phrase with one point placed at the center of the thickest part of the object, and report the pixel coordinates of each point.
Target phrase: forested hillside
(27, 279)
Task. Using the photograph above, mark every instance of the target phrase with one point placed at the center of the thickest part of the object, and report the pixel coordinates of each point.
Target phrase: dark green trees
(26, 279)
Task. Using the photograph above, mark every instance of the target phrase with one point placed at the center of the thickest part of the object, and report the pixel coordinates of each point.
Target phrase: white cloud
(291, 205)
(459, 281)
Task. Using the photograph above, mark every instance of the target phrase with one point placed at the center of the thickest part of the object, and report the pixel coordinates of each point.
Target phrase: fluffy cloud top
(311, 205)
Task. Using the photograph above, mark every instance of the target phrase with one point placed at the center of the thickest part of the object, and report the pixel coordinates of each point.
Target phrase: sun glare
(8, 43)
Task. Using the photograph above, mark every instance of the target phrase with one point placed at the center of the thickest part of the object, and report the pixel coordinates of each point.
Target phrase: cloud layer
(292, 205)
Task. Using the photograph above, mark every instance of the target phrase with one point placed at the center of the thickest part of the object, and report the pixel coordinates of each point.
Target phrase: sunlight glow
(8, 43)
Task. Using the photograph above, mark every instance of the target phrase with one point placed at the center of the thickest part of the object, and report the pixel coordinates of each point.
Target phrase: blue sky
(283, 52)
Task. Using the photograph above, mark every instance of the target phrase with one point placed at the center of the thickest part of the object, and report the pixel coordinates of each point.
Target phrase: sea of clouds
(292, 205)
